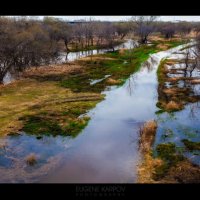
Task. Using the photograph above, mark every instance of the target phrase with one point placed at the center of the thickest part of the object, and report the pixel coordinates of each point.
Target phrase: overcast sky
(119, 18)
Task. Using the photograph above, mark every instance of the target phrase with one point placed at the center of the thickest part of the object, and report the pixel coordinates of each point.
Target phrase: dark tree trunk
(66, 46)
(1, 79)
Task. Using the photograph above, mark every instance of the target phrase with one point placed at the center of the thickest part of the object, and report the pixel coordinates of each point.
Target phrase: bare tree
(110, 35)
(193, 52)
(145, 25)
(184, 28)
(122, 29)
(168, 30)
(78, 31)
(24, 45)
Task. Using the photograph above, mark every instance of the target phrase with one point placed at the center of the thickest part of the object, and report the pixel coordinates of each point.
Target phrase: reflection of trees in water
(180, 90)
(66, 58)
(131, 84)
(193, 114)
(150, 63)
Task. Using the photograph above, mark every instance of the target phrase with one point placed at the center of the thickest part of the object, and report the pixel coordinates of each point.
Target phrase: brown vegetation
(183, 172)
(112, 81)
(31, 159)
(43, 71)
(147, 133)
(163, 46)
(172, 106)
(96, 58)
(195, 81)
(148, 164)
(3, 145)
(122, 51)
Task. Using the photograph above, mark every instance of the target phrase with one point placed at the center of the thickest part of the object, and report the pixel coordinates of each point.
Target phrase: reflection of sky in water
(105, 151)
(17, 148)
(185, 125)
(76, 55)
(99, 80)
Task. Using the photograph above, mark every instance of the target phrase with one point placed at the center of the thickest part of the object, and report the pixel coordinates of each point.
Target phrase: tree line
(29, 42)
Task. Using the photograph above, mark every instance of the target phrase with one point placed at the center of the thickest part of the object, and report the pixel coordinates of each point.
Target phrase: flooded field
(107, 150)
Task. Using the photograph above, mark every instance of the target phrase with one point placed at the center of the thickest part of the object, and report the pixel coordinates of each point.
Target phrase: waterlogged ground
(178, 133)
(129, 44)
(15, 149)
(175, 127)
(107, 149)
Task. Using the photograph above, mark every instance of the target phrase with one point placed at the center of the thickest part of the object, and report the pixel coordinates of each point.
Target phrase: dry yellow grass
(170, 91)
(192, 34)
(31, 159)
(173, 79)
(172, 105)
(147, 133)
(171, 61)
(121, 51)
(183, 172)
(148, 164)
(17, 98)
(163, 46)
(195, 81)
(29, 96)
(96, 58)
(156, 38)
(147, 168)
(53, 70)
(112, 81)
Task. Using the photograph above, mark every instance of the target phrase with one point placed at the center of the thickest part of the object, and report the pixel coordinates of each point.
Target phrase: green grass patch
(120, 67)
(40, 126)
(44, 100)
(168, 153)
(74, 127)
(191, 145)
(161, 71)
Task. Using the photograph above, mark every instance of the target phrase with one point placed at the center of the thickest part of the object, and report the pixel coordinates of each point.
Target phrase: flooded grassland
(49, 132)
(173, 154)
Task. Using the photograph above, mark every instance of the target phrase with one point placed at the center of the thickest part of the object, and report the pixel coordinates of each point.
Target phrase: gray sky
(118, 18)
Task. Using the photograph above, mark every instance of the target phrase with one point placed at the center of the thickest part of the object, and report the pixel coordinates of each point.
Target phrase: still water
(106, 151)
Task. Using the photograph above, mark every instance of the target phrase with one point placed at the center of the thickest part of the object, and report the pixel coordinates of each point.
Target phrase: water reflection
(71, 56)
(106, 151)
(131, 84)
(15, 149)
(183, 124)
(150, 63)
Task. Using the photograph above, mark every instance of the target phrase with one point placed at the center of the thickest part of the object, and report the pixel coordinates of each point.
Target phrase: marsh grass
(45, 100)
(145, 169)
(173, 106)
(173, 98)
(31, 159)
(191, 145)
(55, 90)
(147, 134)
